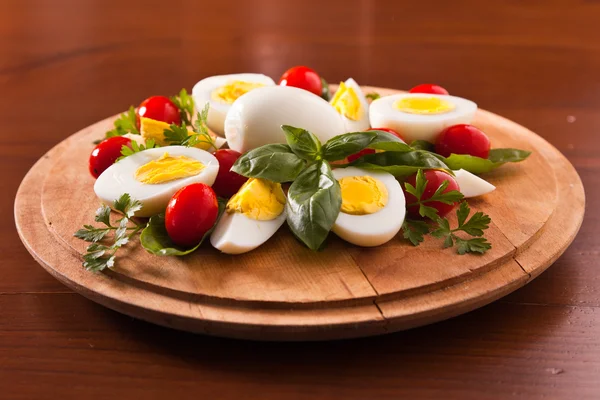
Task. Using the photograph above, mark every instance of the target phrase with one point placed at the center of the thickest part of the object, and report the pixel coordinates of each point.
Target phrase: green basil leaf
(401, 171)
(325, 92)
(400, 164)
(507, 155)
(477, 165)
(303, 143)
(422, 145)
(341, 146)
(156, 240)
(274, 162)
(388, 142)
(313, 204)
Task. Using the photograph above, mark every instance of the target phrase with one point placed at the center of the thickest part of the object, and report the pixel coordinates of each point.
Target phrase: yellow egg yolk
(230, 92)
(362, 195)
(347, 103)
(258, 199)
(423, 105)
(167, 168)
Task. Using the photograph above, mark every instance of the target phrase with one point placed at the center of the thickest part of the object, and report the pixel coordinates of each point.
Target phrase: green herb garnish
(325, 92)
(373, 96)
(126, 123)
(415, 230)
(178, 135)
(99, 256)
(185, 103)
(313, 205)
(127, 151)
(477, 165)
(450, 197)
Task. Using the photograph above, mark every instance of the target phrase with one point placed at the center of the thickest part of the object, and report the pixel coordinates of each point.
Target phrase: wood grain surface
(65, 64)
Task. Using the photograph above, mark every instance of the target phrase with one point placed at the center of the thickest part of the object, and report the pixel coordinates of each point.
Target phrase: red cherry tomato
(106, 153)
(191, 212)
(228, 182)
(159, 108)
(372, 151)
(434, 179)
(463, 139)
(429, 88)
(302, 77)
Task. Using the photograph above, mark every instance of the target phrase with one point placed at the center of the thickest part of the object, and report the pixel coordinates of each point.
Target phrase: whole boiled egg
(251, 217)
(255, 119)
(421, 116)
(221, 91)
(350, 102)
(152, 176)
(373, 206)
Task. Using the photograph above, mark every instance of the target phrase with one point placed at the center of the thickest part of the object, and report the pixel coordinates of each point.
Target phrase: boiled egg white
(352, 105)
(251, 217)
(221, 91)
(152, 176)
(373, 206)
(471, 185)
(255, 119)
(421, 116)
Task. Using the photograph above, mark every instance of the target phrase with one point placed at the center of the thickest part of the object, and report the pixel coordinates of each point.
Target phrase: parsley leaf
(473, 227)
(439, 195)
(180, 136)
(440, 228)
(372, 96)
(99, 256)
(126, 151)
(185, 103)
(414, 231)
(126, 123)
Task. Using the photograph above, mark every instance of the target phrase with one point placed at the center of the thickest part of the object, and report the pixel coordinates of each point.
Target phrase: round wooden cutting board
(283, 291)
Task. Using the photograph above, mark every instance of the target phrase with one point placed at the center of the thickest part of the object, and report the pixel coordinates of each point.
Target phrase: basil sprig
(401, 164)
(303, 143)
(274, 162)
(313, 204)
(156, 240)
(477, 165)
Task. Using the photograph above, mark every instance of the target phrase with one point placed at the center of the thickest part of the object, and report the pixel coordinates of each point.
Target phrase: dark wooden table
(65, 64)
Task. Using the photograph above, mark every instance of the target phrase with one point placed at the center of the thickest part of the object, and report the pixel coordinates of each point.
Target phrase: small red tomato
(228, 182)
(106, 153)
(191, 212)
(159, 108)
(463, 139)
(429, 88)
(302, 77)
(372, 151)
(434, 179)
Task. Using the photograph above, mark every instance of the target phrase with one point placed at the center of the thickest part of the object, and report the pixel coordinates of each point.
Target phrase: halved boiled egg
(421, 116)
(251, 217)
(255, 119)
(221, 91)
(350, 102)
(373, 206)
(471, 185)
(152, 176)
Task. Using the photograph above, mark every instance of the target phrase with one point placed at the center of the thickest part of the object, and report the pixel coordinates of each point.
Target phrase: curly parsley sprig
(98, 255)
(126, 123)
(179, 135)
(126, 151)
(185, 103)
(438, 227)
